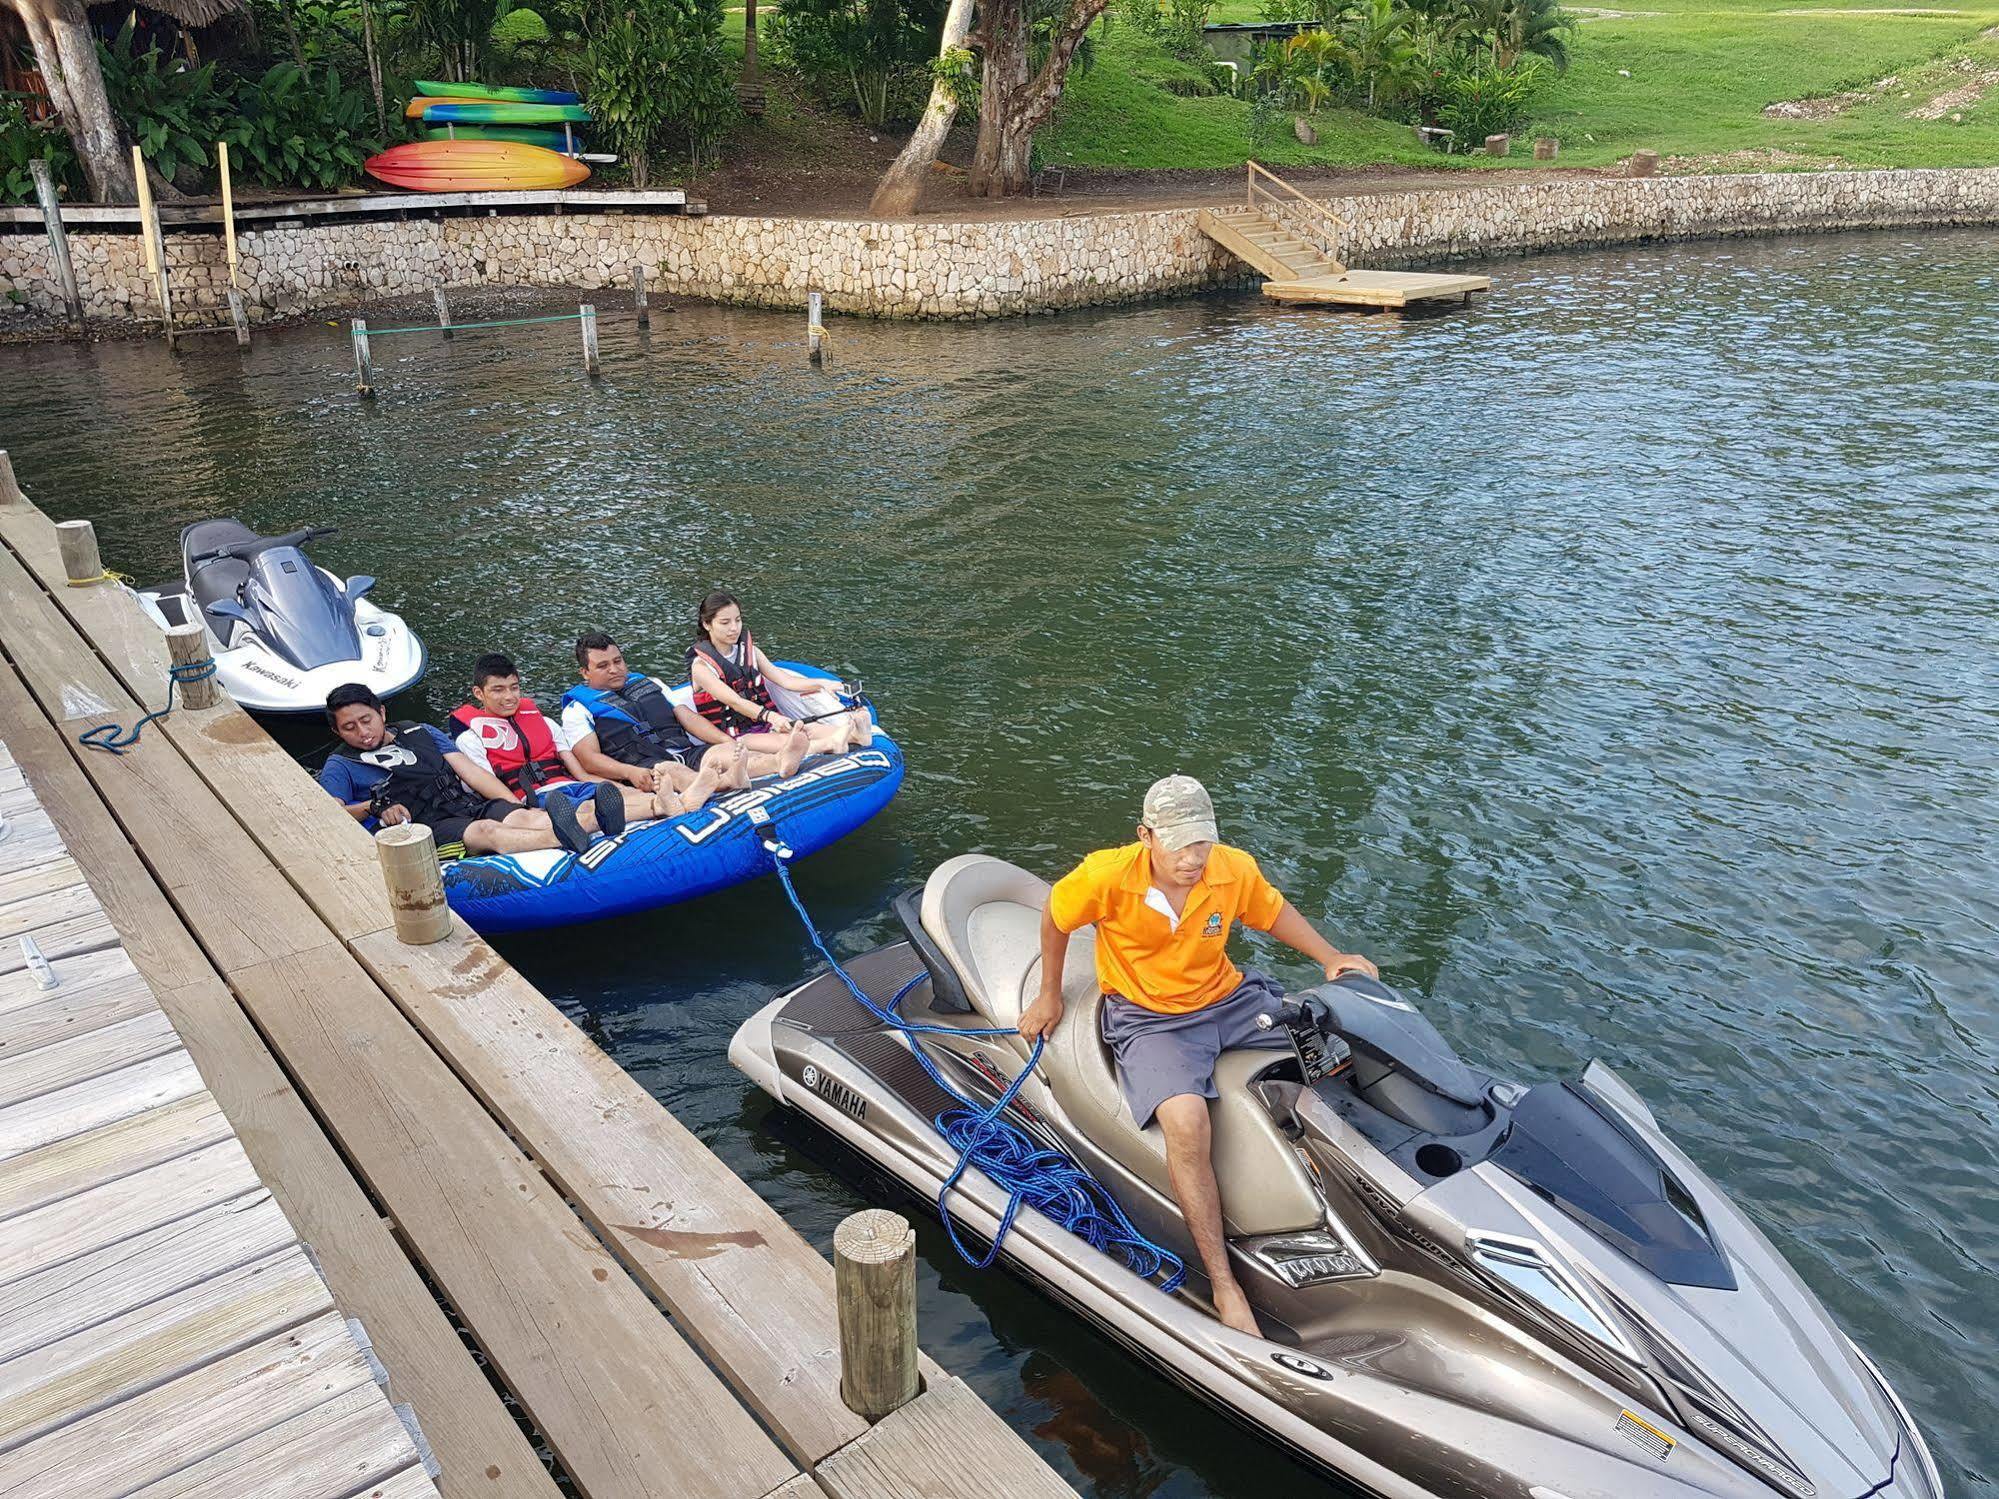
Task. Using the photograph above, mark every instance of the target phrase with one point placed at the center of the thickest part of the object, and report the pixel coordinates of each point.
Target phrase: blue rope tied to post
(109, 736)
(1029, 1173)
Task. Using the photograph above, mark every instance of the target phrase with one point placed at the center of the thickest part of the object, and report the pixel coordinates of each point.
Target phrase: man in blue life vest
(409, 772)
(503, 731)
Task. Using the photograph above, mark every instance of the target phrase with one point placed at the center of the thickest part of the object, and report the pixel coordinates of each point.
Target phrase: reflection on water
(1613, 662)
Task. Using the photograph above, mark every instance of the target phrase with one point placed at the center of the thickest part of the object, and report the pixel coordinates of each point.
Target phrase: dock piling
(240, 317)
(639, 295)
(408, 855)
(815, 330)
(10, 488)
(77, 540)
(443, 310)
(874, 1279)
(187, 645)
(45, 193)
(155, 243)
(364, 363)
(589, 324)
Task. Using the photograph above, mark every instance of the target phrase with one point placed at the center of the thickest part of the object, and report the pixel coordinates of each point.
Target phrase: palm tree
(1377, 37)
(1514, 27)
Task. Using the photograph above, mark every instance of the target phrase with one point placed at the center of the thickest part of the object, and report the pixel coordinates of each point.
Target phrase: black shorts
(450, 831)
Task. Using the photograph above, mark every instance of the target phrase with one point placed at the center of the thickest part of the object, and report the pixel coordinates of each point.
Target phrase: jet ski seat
(984, 916)
(220, 580)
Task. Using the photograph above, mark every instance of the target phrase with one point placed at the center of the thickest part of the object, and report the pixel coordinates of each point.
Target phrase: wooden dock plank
(900, 1457)
(106, 1455)
(54, 873)
(27, 1073)
(84, 1161)
(46, 908)
(482, 1450)
(96, 1102)
(408, 1484)
(95, 1366)
(75, 1225)
(335, 1450)
(628, 1407)
(686, 1225)
(48, 1016)
(67, 938)
(129, 1272)
(30, 843)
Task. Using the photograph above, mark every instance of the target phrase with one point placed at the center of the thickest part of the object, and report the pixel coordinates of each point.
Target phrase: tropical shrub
(174, 112)
(658, 80)
(457, 32)
(870, 56)
(21, 141)
(1482, 98)
(303, 129)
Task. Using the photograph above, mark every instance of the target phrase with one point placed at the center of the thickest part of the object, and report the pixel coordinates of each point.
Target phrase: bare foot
(704, 785)
(796, 745)
(861, 726)
(1232, 1309)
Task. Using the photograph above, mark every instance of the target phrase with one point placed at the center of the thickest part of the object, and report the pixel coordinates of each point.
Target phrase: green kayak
(502, 92)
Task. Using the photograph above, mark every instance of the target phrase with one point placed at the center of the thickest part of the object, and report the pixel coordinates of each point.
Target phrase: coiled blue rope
(109, 736)
(1029, 1173)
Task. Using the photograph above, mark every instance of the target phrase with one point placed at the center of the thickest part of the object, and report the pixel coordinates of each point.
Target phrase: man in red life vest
(502, 731)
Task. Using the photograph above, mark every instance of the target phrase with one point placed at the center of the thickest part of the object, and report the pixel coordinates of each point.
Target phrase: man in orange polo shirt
(1163, 908)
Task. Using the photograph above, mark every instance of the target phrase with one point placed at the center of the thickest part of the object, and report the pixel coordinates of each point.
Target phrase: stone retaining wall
(931, 269)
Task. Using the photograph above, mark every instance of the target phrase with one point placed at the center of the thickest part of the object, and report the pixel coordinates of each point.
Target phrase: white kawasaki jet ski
(283, 630)
(1468, 1287)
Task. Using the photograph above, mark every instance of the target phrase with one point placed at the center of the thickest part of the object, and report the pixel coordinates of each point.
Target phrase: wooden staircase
(1293, 242)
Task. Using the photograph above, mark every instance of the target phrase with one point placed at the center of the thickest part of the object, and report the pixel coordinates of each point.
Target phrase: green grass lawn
(1700, 73)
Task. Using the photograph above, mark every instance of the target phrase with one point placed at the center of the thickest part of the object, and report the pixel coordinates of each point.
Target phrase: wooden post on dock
(639, 295)
(364, 363)
(10, 488)
(588, 317)
(45, 193)
(187, 645)
(443, 310)
(156, 245)
(874, 1280)
(77, 541)
(815, 330)
(408, 854)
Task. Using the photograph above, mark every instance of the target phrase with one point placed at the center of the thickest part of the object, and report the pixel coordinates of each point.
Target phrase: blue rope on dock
(110, 737)
(1029, 1173)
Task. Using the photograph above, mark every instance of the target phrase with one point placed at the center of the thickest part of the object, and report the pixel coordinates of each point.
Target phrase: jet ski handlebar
(242, 551)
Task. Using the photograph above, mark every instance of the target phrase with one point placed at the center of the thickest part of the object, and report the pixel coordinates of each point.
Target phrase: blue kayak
(656, 864)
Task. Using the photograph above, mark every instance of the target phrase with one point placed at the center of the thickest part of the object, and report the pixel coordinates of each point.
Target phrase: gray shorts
(1159, 1056)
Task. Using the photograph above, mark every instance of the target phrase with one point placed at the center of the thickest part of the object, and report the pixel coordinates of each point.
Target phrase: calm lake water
(1613, 662)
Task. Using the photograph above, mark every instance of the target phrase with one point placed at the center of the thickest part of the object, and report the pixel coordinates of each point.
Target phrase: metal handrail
(1320, 222)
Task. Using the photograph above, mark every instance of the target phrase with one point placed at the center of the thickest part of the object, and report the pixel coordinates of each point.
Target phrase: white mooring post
(364, 363)
(240, 316)
(408, 855)
(10, 487)
(45, 193)
(589, 322)
(443, 310)
(874, 1284)
(639, 295)
(815, 329)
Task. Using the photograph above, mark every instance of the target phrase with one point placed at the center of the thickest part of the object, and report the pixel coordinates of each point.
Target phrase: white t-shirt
(473, 748)
(578, 720)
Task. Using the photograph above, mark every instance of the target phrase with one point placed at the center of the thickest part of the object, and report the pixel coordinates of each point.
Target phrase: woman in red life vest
(730, 673)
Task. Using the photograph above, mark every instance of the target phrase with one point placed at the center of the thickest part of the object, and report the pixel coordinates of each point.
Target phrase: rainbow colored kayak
(474, 167)
(527, 135)
(502, 92)
(482, 112)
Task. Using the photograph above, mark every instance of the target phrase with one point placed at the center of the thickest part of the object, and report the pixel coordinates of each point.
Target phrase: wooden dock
(467, 1168)
(1293, 241)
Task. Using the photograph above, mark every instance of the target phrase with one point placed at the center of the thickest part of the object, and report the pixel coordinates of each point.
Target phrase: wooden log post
(10, 488)
(443, 310)
(77, 540)
(815, 329)
(874, 1279)
(408, 855)
(1498, 145)
(45, 194)
(588, 318)
(240, 317)
(639, 295)
(1546, 148)
(1643, 164)
(364, 362)
(187, 645)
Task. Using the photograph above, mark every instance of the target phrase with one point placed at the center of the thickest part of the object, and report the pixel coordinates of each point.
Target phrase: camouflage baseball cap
(1178, 811)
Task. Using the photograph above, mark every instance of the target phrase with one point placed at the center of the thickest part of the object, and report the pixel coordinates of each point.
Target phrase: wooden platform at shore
(467, 1168)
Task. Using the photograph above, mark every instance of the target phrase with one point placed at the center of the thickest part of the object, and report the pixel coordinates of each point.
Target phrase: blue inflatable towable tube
(656, 864)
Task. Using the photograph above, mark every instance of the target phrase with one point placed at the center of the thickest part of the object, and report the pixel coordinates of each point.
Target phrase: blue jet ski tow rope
(110, 736)
(1027, 1171)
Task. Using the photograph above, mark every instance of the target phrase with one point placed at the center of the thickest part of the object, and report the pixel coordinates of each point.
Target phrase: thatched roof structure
(195, 12)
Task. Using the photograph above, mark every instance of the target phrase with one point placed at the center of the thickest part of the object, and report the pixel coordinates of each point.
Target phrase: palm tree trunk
(66, 54)
(374, 68)
(901, 186)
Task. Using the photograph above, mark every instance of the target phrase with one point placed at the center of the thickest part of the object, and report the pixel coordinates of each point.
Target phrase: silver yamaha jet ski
(284, 631)
(1468, 1286)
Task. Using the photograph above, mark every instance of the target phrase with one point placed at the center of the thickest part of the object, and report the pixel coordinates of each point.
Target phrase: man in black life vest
(503, 731)
(623, 726)
(409, 772)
